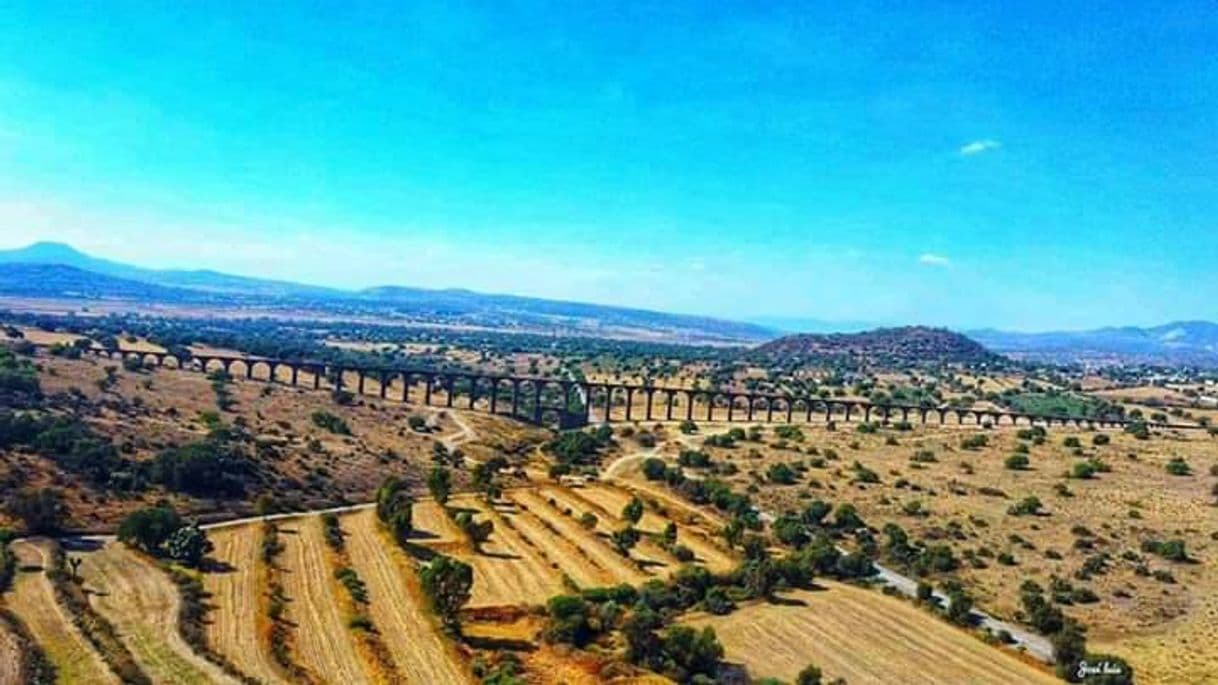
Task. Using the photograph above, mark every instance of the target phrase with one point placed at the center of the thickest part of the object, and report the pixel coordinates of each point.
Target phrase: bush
(1028, 506)
(188, 546)
(331, 422)
(781, 474)
(654, 468)
(975, 442)
(446, 583)
(1100, 439)
(1016, 462)
(1178, 467)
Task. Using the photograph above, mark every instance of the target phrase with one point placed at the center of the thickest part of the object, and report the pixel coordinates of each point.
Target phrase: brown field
(142, 602)
(1138, 616)
(323, 642)
(420, 653)
(235, 623)
(10, 658)
(862, 636)
(33, 600)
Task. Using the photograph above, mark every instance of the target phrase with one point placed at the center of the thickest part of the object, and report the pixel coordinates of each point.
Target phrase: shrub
(654, 468)
(447, 582)
(781, 474)
(975, 442)
(1028, 506)
(330, 422)
(1100, 439)
(1016, 462)
(188, 546)
(1178, 467)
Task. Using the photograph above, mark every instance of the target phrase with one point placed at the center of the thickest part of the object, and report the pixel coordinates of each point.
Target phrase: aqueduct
(571, 403)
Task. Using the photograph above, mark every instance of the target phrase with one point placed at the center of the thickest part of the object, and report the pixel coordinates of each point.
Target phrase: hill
(1178, 343)
(78, 275)
(892, 347)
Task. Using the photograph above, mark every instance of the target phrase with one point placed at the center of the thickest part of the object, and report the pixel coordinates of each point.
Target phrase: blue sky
(1040, 165)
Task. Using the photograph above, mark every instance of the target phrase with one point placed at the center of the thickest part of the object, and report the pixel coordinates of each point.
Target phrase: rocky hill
(884, 347)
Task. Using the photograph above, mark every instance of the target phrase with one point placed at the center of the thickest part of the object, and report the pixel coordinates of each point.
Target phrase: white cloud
(979, 146)
(929, 259)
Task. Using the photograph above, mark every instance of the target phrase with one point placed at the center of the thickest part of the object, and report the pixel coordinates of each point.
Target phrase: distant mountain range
(1180, 343)
(55, 270)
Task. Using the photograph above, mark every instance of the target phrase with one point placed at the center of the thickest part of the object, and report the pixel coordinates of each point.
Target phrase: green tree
(188, 545)
(811, 675)
(440, 484)
(149, 528)
(447, 583)
(633, 511)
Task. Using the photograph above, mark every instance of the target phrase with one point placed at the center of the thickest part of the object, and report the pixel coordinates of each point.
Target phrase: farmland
(292, 595)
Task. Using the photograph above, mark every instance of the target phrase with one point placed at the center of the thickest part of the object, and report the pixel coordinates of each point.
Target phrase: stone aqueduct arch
(495, 391)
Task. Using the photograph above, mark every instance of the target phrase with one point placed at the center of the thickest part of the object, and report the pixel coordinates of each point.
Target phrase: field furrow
(620, 568)
(863, 636)
(651, 555)
(236, 596)
(142, 603)
(570, 559)
(421, 654)
(322, 641)
(508, 571)
(33, 600)
(695, 538)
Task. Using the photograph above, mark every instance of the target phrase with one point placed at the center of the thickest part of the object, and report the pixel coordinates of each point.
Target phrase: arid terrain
(306, 579)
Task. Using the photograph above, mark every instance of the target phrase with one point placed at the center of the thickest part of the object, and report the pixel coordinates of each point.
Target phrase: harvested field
(142, 603)
(33, 600)
(235, 621)
(612, 500)
(568, 554)
(647, 552)
(322, 641)
(596, 550)
(420, 653)
(508, 570)
(862, 636)
(10, 658)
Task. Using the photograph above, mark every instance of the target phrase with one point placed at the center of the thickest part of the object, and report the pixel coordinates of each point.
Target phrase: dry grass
(33, 600)
(1156, 625)
(236, 597)
(862, 636)
(323, 643)
(396, 605)
(142, 602)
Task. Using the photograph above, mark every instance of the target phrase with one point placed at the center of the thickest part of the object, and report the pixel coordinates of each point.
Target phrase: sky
(1026, 166)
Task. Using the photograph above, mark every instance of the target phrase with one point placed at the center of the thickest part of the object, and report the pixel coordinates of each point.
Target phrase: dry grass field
(862, 636)
(1157, 613)
(142, 603)
(33, 600)
(237, 590)
(323, 643)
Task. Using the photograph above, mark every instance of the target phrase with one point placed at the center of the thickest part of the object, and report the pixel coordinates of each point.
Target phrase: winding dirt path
(142, 603)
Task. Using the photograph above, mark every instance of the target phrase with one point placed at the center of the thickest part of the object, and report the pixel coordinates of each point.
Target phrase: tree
(447, 583)
(643, 646)
(440, 484)
(43, 511)
(395, 508)
(625, 539)
(568, 620)
(790, 531)
(149, 528)
(811, 675)
(733, 533)
(670, 534)
(588, 520)
(633, 511)
(653, 468)
(188, 545)
(692, 652)
(1069, 648)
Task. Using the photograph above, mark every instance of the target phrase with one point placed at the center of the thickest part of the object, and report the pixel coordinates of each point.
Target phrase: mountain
(59, 253)
(1178, 343)
(59, 280)
(85, 276)
(908, 345)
